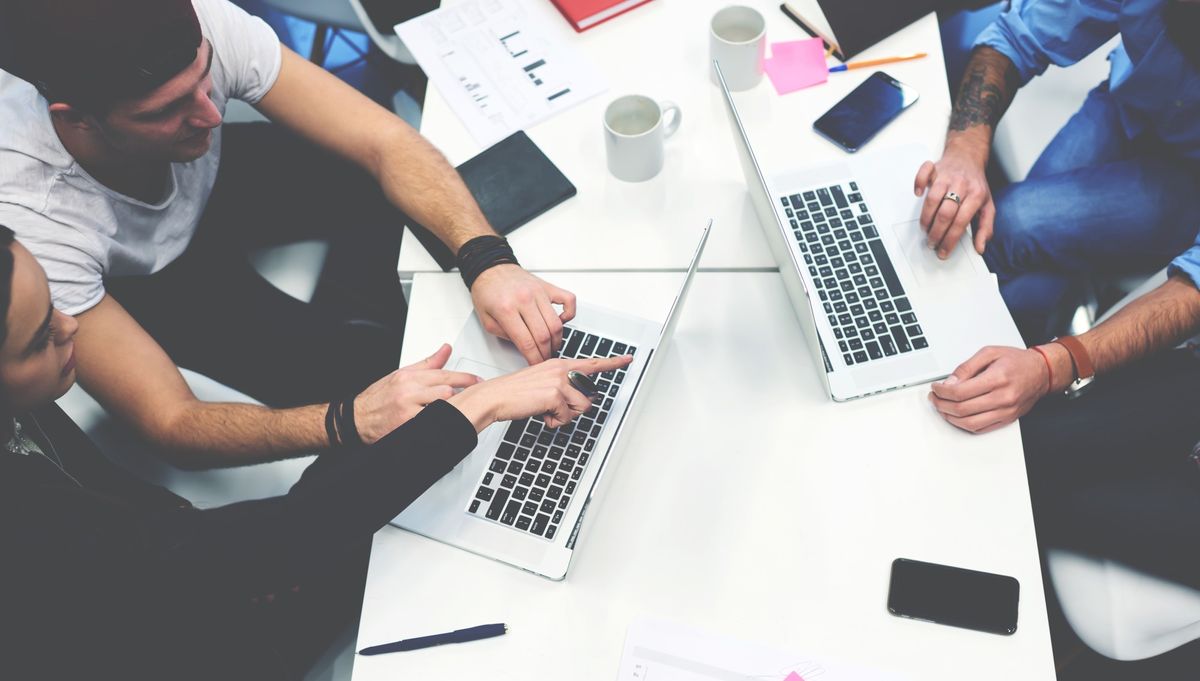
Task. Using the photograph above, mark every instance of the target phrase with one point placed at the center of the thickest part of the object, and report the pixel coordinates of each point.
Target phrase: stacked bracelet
(482, 253)
(339, 423)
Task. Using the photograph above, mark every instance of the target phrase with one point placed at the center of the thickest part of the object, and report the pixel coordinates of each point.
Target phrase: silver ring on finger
(951, 196)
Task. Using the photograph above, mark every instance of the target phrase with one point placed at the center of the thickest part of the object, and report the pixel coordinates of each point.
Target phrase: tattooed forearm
(986, 90)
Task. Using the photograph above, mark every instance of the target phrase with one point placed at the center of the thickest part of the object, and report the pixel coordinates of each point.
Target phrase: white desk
(661, 50)
(745, 502)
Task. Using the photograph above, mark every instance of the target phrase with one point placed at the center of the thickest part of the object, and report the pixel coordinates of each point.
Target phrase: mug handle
(672, 112)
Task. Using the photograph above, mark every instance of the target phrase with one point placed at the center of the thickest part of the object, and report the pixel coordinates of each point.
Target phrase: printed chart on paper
(500, 68)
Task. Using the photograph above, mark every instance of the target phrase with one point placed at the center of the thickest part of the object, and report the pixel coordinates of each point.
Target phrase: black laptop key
(870, 231)
(867, 334)
(920, 343)
(843, 347)
(526, 479)
(889, 348)
(914, 330)
(561, 439)
(604, 349)
(901, 339)
(577, 473)
(545, 437)
(505, 451)
(840, 307)
(887, 306)
(860, 280)
(862, 249)
(520, 493)
(797, 200)
(886, 269)
(892, 319)
(848, 359)
(589, 345)
(824, 197)
(497, 505)
(561, 477)
(860, 356)
(554, 492)
(789, 211)
(508, 481)
(909, 318)
(839, 196)
(484, 493)
(865, 219)
(548, 467)
(533, 466)
(875, 315)
(548, 506)
(857, 310)
(814, 207)
(873, 350)
(536, 494)
(539, 524)
(571, 349)
(550, 531)
(856, 344)
(570, 489)
(497, 466)
(861, 322)
(528, 440)
(514, 431)
(880, 328)
(903, 305)
(474, 506)
(511, 511)
(845, 319)
(830, 212)
(523, 522)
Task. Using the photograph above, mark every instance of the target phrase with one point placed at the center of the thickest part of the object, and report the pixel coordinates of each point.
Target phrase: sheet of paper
(501, 68)
(662, 651)
(797, 64)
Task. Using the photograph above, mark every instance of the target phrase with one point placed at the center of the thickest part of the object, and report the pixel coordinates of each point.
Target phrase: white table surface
(745, 503)
(661, 50)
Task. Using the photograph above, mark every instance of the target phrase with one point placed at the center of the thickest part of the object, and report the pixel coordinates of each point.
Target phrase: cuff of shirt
(1009, 36)
(1187, 264)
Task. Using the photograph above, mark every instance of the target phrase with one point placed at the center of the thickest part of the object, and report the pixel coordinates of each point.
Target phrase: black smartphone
(955, 596)
(865, 111)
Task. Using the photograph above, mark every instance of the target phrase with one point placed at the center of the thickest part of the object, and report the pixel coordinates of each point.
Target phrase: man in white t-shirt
(110, 150)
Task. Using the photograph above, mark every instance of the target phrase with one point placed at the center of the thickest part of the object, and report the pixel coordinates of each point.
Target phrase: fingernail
(950, 380)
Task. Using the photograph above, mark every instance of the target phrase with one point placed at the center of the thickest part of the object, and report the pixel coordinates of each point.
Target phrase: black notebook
(852, 26)
(513, 182)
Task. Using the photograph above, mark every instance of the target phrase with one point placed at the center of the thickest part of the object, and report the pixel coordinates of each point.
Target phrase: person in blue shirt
(1115, 191)
(1113, 473)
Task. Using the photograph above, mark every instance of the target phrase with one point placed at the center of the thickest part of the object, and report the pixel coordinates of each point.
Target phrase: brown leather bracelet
(1085, 371)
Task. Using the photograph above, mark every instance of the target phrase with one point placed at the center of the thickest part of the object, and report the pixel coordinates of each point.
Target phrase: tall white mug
(737, 38)
(635, 132)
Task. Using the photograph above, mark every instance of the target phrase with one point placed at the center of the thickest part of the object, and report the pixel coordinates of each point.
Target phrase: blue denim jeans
(1094, 202)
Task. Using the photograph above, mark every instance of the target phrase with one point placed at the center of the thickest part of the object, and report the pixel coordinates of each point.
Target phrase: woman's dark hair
(6, 275)
(6, 279)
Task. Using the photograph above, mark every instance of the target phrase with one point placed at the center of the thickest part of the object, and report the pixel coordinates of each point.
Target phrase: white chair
(1116, 610)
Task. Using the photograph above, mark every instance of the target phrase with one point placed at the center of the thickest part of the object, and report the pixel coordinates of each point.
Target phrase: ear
(65, 114)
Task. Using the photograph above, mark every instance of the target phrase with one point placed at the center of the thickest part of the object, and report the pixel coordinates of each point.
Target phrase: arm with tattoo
(987, 88)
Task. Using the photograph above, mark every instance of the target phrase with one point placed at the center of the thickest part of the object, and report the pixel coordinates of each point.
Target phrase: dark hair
(6, 279)
(6, 276)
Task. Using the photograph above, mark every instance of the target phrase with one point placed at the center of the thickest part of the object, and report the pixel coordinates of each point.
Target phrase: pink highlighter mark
(795, 65)
(794, 677)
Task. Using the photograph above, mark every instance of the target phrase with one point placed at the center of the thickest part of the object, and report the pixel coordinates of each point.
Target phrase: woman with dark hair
(105, 576)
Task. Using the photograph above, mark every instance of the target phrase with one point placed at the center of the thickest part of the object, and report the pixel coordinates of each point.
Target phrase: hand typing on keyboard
(519, 307)
(540, 390)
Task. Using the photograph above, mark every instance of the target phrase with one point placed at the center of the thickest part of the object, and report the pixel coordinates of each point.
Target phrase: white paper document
(662, 651)
(500, 67)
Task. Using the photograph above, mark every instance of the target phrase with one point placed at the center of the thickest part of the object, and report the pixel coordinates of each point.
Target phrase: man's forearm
(1157, 321)
(417, 178)
(223, 434)
(987, 88)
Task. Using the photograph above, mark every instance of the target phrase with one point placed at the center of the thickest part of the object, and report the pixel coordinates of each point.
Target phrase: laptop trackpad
(929, 270)
(484, 371)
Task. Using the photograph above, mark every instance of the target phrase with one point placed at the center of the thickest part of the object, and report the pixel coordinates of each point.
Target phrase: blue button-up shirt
(1156, 89)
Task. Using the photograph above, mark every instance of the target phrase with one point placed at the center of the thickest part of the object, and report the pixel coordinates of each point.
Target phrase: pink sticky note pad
(796, 65)
(794, 677)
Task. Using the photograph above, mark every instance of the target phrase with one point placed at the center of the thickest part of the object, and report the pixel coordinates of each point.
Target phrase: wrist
(474, 404)
(1062, 369)
(366, 422)
(974, 143)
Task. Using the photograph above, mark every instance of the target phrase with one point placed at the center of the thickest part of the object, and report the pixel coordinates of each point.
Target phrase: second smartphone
(865, 111)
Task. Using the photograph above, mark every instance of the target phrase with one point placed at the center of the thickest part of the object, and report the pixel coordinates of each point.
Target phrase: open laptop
(881, 308)
(520, 496)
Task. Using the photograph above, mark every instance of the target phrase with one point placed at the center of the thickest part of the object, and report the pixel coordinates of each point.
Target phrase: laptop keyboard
(860, 293)
(534, 474)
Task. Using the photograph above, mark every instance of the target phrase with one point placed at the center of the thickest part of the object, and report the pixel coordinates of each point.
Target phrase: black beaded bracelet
(482, 253)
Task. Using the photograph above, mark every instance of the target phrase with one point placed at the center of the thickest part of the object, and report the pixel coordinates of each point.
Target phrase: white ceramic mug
(737, 38)
(635, 131)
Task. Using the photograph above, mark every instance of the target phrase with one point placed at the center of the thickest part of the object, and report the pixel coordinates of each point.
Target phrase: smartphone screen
(954, 596)
(865, 111)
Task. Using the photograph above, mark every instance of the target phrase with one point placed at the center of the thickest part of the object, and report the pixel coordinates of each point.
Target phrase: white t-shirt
(82, 231)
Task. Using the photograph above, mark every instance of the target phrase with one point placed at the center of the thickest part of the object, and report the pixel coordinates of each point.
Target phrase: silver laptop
(880, 310)
(520, 496)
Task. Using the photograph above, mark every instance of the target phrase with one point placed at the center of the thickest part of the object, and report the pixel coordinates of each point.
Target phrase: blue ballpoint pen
(461, 636)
